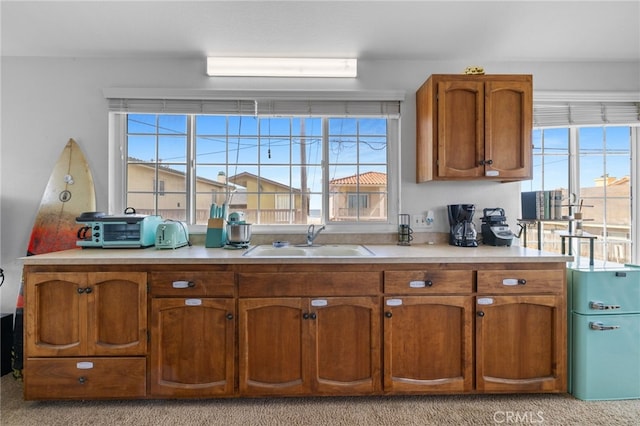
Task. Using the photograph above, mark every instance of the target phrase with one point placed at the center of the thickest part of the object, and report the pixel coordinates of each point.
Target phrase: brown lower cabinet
(85, 335)
(151, 331)
(428, 344)
(192, 347)
(301, 346)
(517, 348)
(521, 330)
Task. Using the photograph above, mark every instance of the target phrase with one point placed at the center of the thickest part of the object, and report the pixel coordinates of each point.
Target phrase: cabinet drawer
(85, 378)
(190, 283)
(521, 281)
(356, 283)
(428, 282)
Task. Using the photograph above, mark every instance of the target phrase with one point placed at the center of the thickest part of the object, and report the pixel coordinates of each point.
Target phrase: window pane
(342, 149)
(618, 139)
(172, 149)
(142, 148)
(243, 150)
(141, 177)
(275, 150)
(172, 124)
(144, 203)
(373, 150)
(211, 149)
(211, 125)
(556, 141)
(591, 140)
(172, 205)
(242, 125)
(141, 123)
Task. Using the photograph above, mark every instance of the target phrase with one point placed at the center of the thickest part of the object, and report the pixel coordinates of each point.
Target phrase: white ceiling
(472, 31)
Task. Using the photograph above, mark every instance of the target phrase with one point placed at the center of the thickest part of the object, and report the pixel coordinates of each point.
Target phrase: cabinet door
(508, 125)
(346, 333)
(460, 129)
(55, 312)
(117, 313)
(428, 344)
(521, 344)
(192, 347)
(273, 346)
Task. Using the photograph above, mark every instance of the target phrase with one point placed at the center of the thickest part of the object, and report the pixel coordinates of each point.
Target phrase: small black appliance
(462, 230)
(495, 231)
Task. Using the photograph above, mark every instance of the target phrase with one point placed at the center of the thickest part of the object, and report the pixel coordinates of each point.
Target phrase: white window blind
(585, 113)
(303, 103)
(566, 109)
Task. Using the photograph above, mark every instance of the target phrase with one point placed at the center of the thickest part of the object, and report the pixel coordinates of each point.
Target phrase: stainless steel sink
(330, 250)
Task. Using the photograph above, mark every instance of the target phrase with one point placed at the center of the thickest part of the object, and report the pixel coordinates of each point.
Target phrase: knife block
(216, 233)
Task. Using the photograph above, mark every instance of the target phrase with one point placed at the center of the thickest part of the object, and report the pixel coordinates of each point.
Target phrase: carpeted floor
(370, 411)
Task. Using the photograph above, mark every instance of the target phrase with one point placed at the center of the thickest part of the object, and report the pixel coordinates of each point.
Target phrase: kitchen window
(590, 163)
(277, 166)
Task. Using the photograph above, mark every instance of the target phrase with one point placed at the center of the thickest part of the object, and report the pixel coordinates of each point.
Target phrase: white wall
(47, 101)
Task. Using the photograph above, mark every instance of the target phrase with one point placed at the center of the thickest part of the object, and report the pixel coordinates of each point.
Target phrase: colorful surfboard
(69, 192)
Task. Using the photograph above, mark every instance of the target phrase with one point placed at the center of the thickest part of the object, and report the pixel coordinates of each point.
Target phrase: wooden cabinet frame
(300, 346)
(474, 127)
(294, 329)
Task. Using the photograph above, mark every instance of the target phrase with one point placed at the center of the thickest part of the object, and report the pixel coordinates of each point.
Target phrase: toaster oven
(126, 231)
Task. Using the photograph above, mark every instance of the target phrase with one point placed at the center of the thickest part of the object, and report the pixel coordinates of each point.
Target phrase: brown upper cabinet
(474, 127)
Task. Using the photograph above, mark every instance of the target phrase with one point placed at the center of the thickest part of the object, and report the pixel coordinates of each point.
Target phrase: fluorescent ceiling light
(281, 67)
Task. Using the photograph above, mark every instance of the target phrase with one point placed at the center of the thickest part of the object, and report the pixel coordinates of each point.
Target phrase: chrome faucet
(312, 234)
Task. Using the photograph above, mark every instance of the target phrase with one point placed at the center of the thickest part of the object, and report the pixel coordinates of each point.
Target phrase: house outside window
(361, 195)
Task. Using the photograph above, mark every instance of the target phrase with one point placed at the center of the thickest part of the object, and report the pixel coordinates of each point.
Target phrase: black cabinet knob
(80, 290)
(191, 284)
(522, 281)
(313, 315)
(229, 316)
(480, 314)
(305, 316)
(388, 314)
(428, 283)
(82, 380)
(88, 290)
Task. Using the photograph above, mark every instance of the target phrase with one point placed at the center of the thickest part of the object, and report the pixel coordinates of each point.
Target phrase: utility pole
(304, 199)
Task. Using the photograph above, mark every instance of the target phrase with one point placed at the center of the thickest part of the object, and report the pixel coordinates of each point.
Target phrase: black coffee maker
(462, 230)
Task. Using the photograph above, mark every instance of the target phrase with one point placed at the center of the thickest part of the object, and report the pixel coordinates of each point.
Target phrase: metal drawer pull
(420, 284)
(84, 365)
(599, 306)
(394, 302)
(193, 302)
(601, 327)
(319, 302)
(514, 281)
(183, 284)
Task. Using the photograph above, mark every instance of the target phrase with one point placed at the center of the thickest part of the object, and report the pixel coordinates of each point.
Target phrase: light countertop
(384, 253)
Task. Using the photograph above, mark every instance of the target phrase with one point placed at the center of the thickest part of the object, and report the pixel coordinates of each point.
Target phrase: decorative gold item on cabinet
(474, 70)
